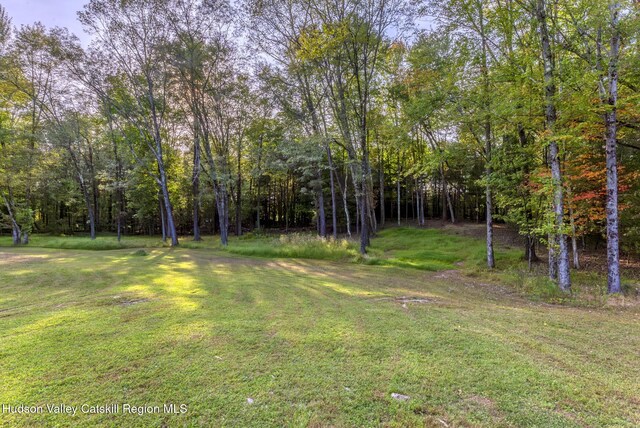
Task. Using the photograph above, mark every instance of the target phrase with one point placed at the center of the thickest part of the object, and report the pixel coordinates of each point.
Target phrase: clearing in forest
(248, 341)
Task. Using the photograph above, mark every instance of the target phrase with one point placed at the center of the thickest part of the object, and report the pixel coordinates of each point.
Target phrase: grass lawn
(426, 249)
(271, 341)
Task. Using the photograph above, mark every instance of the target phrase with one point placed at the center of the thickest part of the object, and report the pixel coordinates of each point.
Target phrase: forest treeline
(185, 117)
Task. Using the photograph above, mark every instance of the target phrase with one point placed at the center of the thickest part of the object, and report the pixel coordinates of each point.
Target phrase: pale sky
(51, 13)
(63, 13)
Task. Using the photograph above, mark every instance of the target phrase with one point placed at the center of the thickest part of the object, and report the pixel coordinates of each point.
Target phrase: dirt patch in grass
(623, 301)
(7, 258)
(445, 274)
(404, 299)
(413, 300)
(132, 302)
(128, 301)
(485, 403)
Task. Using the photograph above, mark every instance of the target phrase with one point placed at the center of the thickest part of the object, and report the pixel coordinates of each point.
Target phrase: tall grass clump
(295, 245)
(85, 243)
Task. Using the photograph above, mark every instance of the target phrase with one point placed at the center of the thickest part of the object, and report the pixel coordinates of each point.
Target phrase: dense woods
(193, 117)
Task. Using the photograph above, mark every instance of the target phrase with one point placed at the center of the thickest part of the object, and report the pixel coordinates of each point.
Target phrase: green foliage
(24, 217)
(517, 186)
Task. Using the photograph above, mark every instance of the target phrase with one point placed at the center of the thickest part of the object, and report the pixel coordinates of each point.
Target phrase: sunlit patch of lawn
(310, 342)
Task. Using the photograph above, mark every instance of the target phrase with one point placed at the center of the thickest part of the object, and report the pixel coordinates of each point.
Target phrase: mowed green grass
(425, 249)
(311, 342)
(434, 249)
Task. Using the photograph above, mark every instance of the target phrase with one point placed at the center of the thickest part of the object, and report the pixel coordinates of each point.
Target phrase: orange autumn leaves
(587, 178)
(585, 182)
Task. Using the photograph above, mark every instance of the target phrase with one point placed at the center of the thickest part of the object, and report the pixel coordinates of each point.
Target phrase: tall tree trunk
(491, 263)
(15, 227)
(196, 189)
(163, 222)
(214, 214)
(358, 207)
(15, 234)
(222, 199)
(84, 188)
(563, 270)
(118, 177)
(239, 192)
(610, 117)
(451, 212)
(92, 215)
(530, 250)
(288, 203)
(35, 119)
(94, 194)
(345, 201)
(415, 214)
(365, 174)
(171, 227)
(119, 224)
(371, 206)
(406, 200)
(322, 222)
(398, 199)
(364, 224)
(574, 240)
(417, 210)
(553, 256)
(421, 205)
(381, 179)
(259, 180)
(334, 214)
(87, 201)
(444, 196)
(258, 205)
(162, 179)
(96, 203)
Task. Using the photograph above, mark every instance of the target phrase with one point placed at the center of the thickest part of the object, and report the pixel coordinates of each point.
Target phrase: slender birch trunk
(487, 136)
(563, 269)
(610, 117)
